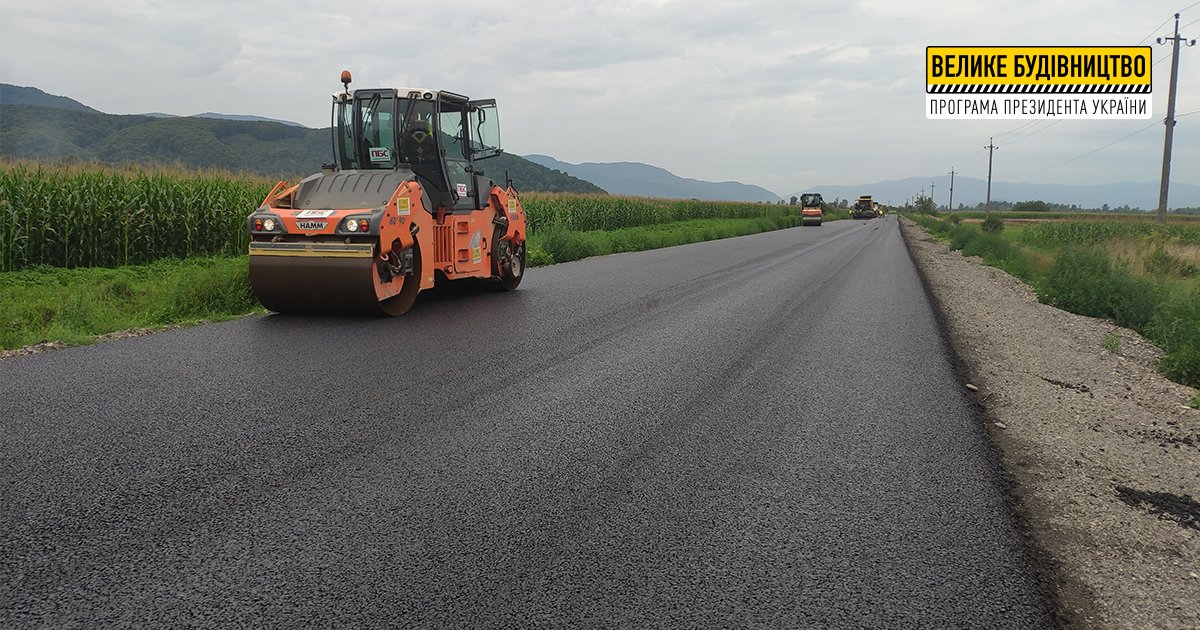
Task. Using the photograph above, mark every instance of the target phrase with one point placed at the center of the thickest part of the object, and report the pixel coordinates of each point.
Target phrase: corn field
(91, 215)
(606, 212)
(1056, 233)
(95, 216)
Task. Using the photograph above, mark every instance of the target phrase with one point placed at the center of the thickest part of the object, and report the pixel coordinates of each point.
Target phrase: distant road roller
(404, 205)
(810, 208)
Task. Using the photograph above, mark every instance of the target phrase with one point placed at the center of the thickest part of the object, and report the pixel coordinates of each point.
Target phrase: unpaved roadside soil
(1102, 459)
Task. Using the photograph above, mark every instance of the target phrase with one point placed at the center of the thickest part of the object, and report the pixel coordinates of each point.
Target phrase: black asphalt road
(756, 432)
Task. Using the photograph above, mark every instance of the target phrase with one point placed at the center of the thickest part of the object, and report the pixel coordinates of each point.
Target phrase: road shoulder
(1101, 457)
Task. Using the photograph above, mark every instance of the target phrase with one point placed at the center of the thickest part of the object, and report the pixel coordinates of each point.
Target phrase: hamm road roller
(810, 208)
(404, 205)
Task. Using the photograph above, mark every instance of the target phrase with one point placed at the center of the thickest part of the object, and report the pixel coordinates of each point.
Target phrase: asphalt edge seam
(1051, 578)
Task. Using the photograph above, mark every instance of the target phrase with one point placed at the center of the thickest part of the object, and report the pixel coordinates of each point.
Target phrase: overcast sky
(785, 95)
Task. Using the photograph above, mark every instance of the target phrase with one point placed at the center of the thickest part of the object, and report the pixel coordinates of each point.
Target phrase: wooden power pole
(991, 146)
(950, 206)
(1169, 121)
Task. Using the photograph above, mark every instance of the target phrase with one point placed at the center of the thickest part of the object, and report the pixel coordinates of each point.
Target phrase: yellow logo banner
(1028, 69)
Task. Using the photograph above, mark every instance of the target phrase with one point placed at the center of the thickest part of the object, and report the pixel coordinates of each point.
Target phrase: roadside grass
(1112, 343)
(556, 244)
(75, 305)
(1141, 276)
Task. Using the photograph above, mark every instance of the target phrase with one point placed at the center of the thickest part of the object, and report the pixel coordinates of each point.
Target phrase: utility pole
(931, 197)
(1169, 121)
(950, 206)
(990, 147)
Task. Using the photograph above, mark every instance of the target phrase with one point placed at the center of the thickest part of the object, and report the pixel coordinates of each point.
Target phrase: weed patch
(76, 305)
(1084, 281)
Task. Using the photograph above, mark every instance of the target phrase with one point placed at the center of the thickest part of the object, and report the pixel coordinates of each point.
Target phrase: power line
(1032, 122)
(1158, 27)
(1168, 20)
(1101, 148)
(1035, 131)
(1090, 152)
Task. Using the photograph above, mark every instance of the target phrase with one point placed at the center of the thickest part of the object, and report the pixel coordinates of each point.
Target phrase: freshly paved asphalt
(757, 432)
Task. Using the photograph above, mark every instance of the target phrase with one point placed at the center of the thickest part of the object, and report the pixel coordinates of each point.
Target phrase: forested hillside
(20, 95)
(265, 148)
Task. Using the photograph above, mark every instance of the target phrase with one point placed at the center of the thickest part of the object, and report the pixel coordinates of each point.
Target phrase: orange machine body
(405, 206)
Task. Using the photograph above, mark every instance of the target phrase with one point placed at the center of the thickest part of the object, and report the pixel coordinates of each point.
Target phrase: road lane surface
(763, 431)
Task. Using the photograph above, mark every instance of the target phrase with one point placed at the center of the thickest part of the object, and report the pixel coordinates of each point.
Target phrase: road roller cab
(406, 203)
(810, 208)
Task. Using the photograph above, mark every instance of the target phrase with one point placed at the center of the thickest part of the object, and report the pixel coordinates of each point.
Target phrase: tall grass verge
(556, 244)
(74, 305)
(1083, 278)
(1176, 329)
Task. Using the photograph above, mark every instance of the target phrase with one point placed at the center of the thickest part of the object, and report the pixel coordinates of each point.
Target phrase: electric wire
(1032, 122)
(1156, 29)
(1088, 153)
(1035, 131)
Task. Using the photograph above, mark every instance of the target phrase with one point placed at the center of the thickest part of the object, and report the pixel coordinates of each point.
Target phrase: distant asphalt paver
(763, 431)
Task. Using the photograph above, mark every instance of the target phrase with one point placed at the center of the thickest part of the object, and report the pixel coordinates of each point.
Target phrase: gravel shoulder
(1102, 458)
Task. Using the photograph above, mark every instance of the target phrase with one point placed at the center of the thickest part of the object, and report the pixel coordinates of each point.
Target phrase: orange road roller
(404, 205)
(810, 208)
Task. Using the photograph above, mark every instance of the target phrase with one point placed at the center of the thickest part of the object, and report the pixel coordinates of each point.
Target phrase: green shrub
(1175, 328)
(1085, 282)
(987, 245)
(931, 224)
(955, 218)
(992, 225)
(997, 252)
(962, 234)
(1078, 281)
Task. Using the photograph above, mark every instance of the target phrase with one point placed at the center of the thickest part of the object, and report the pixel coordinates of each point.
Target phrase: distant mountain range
(20, 95)
(227, 117)
(643, 180)
(970, 192)
(34, 124)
